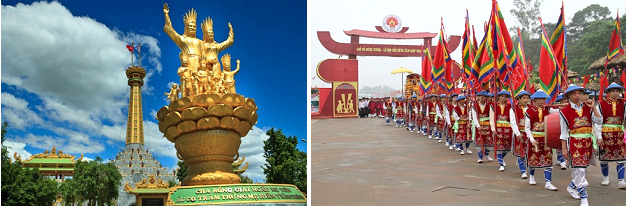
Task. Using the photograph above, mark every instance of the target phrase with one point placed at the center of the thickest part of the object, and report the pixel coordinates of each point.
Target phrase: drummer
(504, 116)
(539, 156)
(611, 133)
(520, 141)
(481, 115)
(576, 141)
(559, 155)
(462, 127)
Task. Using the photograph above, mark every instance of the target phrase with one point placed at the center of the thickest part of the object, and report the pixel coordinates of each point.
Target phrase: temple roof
(49, 160)
(52, 156)
(386, 35)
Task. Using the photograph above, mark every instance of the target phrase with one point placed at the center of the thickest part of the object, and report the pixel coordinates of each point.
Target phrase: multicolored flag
(548, 67)
(519, 74)
(427, 67)
(502, 44)
(484, 60)
(441, 57)
(616, 47)
(559, 45)
(468, 52)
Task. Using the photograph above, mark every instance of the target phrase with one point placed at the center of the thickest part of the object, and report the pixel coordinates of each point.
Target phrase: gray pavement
(364, 162)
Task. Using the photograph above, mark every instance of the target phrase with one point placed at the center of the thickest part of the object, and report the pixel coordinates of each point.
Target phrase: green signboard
(235, 193)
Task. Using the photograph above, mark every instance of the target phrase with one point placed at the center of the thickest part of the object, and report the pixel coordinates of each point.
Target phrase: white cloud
(18, 147)
(155, 142)
(116, 132)
(252, 148)
(76, 67)
(16, 112)
(45, 57)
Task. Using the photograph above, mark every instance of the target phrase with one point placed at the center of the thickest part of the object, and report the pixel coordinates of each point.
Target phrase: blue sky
(63, 63)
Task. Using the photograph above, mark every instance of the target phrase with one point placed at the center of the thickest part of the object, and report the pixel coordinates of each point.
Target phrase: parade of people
(515, 121)
(532, 113)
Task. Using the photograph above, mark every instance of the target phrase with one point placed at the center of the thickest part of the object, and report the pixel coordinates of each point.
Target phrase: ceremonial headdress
(613, 86)
(571, 88)
(504, 92)
(522, 93)
(460, 97)
(483, 93)
(540, 94)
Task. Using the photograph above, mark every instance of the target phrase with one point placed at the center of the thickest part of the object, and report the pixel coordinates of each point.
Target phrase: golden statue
(190, 46)
(229, 76)
(173, 94)
(17, 157)
(209, 119)
(212, 48)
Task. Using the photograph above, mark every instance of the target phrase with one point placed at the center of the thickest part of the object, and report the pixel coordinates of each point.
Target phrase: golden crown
(226, 59)
(207, 24)
(190, 16)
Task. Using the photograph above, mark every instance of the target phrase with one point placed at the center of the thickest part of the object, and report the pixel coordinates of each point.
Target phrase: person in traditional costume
(482, 113)
(400, 112)
(411, 113)
(504, 122)
(559, 155)
(431, 114)
(441, 119)
(520, 140)
(418, 115)
(462, 126)
(538, 154)
(611, 133)
(450, 142)
(424, 115)
(576, 141)
(388, 107)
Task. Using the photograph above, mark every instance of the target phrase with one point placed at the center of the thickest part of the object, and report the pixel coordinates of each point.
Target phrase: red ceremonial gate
(344, 73)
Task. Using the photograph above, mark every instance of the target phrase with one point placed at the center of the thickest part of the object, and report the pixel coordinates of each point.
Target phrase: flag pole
(132, 45)
(139, 51)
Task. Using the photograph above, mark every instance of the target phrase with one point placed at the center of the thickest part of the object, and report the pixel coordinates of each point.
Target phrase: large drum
(553, 131)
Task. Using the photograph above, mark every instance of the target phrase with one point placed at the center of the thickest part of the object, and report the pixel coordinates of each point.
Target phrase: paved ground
(364, 162)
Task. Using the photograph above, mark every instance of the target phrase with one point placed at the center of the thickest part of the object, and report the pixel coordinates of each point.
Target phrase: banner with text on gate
(235, 193)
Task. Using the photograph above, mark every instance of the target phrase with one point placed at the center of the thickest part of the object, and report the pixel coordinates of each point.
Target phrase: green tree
(182, 171)
(583, 18)
(246, 179)
(527, 12)
(21, 186)
(99, 182)
(69, 189)
(285, 163)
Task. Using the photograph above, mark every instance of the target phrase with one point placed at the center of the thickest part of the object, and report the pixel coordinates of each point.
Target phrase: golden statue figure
(229, 76)
(173, 94)
(190, 46)
(203, 77)
(212, 48)
(208, 114)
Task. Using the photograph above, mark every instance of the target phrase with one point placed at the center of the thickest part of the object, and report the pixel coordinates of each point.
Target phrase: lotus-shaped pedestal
(206, 130)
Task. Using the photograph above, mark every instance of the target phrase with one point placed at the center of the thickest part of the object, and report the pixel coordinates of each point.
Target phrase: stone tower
(135, 162)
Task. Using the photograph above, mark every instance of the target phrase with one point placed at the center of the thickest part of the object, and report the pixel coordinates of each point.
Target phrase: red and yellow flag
(616, 47)
(548, 67)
